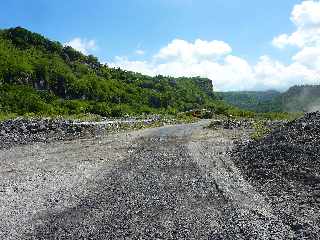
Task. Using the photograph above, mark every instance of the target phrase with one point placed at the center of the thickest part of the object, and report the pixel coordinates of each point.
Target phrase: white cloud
(230, 72)
(305, 67)
(215, 60)
(283, 40)
(139, 52)
(306, 14)
(193, 52)
(306, 17)
(82, 45)
(308, 56)
(270, 73)
(135, 66)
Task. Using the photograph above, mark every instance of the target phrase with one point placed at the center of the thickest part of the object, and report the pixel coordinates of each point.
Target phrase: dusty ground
(174, 182)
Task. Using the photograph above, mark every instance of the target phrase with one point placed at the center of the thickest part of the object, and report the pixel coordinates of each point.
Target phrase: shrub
(121, 110)
(101, 108)
(21, 99)
(75, 106)
(260, 130)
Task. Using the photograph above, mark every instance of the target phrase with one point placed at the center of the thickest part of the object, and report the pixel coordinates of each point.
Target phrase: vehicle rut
(175, 182)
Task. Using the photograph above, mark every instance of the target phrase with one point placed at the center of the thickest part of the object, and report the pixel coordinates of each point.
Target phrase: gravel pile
(230, 124)
(285, 166)
(243, 124)
(23, 131)
(26, 131)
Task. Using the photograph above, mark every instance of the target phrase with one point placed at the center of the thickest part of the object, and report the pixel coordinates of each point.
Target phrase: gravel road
(173, 182)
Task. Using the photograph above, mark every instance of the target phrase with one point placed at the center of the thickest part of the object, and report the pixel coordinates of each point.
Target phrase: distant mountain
(305, 98)
(299, 99)
(258, 101)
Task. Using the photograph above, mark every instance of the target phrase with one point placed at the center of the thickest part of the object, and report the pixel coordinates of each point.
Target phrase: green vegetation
(7, 116)
(253, 101)
(260, 130)
(273, 116)
(42, 77)
(299, 99)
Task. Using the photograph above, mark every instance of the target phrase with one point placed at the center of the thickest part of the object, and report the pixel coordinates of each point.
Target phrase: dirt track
(174, 182)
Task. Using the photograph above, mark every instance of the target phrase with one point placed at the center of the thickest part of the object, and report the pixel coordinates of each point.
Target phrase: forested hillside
(38, 75)
(299, 99)
(251, 100)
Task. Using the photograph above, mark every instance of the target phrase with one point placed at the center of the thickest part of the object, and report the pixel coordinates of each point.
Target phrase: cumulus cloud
(215, 59)
(306, 17)
(306, 63)
(230, 72)
(82, 45)
(139, 52)
(193, 52)
(135, 66)
(308, 56)
(270, 73)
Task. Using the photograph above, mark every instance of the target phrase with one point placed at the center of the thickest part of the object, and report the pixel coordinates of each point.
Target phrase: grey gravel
(244, 124)
(284, 166)
(173, 182)
(23, 131)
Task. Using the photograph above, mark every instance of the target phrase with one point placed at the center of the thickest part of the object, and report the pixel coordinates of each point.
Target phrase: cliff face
(204, 84)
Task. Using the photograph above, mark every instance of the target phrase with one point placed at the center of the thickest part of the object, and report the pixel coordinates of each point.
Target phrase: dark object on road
(285, 166)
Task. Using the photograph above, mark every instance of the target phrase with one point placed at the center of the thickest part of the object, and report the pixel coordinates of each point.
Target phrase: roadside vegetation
(260, 129)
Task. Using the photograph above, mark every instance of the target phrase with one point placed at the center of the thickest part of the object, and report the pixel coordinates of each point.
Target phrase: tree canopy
(53, 78)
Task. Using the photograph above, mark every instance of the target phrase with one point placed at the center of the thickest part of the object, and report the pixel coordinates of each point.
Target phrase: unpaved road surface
(174, 182)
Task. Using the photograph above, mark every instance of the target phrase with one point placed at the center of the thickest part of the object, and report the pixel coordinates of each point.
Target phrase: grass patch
(274, 116)
(7, 116)
(73, 117)
(260, 130)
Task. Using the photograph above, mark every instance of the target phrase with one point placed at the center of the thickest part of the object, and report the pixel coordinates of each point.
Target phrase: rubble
(230, 124)
(243, 123)
(285, 167)
(22, 131)
(25, 131)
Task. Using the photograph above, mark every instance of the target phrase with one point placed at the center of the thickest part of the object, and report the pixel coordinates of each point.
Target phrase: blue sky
(114, 30)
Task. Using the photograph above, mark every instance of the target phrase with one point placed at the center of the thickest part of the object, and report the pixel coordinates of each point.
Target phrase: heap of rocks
(230, 124)
(25, 131)
(243, 124)
(285, 166)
